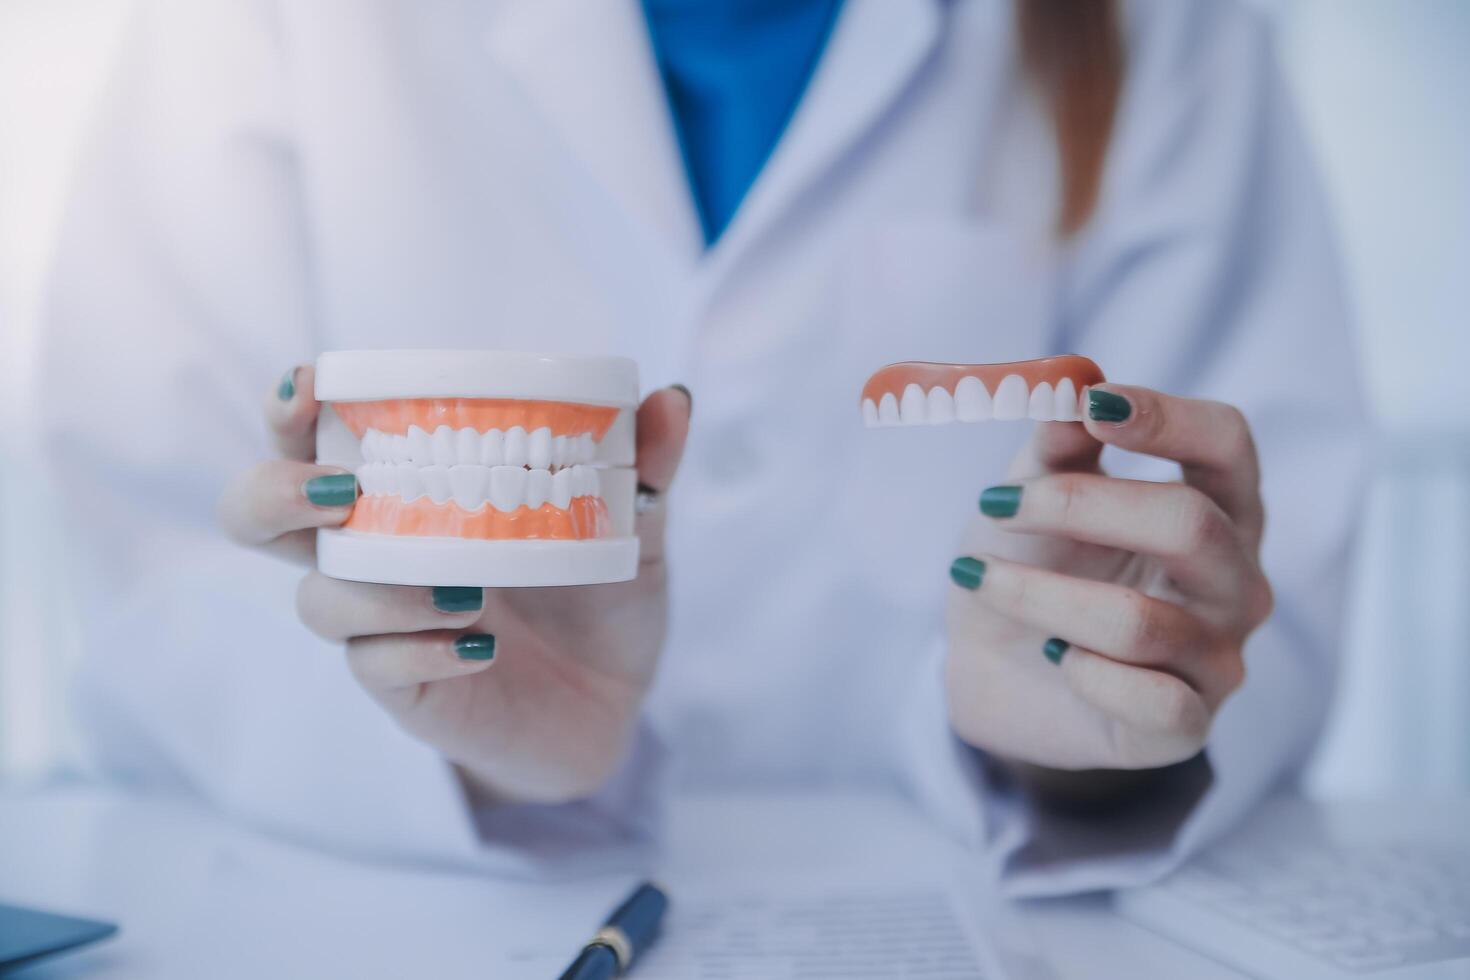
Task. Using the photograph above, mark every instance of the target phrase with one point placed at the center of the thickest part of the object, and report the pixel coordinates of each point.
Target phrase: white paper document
(788, 930)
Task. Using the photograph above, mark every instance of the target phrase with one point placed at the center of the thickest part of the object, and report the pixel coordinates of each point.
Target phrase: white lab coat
(271, 180)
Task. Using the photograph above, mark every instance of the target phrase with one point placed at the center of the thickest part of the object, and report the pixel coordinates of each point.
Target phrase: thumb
(663, 426)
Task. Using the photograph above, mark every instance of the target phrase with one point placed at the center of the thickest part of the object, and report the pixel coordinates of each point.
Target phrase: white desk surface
(199, 896)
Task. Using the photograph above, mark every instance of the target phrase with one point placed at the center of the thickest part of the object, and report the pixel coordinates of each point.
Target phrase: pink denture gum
(1047, 389)
(489, 468)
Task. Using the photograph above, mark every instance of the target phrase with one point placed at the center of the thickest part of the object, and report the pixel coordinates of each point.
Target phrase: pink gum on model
(1047, 389)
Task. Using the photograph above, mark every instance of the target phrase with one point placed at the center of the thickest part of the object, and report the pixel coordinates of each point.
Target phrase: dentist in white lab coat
(271, 180)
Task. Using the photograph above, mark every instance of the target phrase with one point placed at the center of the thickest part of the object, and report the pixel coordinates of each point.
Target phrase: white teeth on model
(1066, 401)
(492, 448)
(1043, 403)
(538, 487)
(466, 446)
(420, 446)
(561, 489)
(941, 406)
(538, 449)
(1011, 398)
(913, 407)
(507, 487)
(515, 446)
(972, 400)
(459, 447)
(888, 410)
(469, 484)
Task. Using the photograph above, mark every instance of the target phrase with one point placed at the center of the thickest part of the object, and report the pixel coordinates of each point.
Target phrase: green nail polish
(287, 389)
(1000, 501)
(458, 598)
(475, 646)
(337, 490)
(1104, 406)
(1054, 648)
(967, 572)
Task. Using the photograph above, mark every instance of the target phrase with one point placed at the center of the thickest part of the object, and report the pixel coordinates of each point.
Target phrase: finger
(1210, 440)
(663, 428)
(291, 411)
(1112, 620)
(1157, 719)
(337, 610)
(1057, 447)
(280, 496)
(392, 667)
(1194, 539)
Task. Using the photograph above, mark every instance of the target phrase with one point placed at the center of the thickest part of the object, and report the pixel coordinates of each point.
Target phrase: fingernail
(1105, 406)
(458, 598)
(1000, 501)
(337, 490)
(967, 572)
(1053, 649)
(688, 395)
(287, 388)
(475, 646)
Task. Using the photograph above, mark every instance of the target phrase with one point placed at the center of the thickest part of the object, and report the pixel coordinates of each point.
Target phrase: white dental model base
(480, 468)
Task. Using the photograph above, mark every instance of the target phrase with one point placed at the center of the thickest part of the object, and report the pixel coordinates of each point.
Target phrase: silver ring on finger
(646, 499)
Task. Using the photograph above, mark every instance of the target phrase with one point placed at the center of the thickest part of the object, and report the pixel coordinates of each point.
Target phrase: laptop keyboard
(1359, 908)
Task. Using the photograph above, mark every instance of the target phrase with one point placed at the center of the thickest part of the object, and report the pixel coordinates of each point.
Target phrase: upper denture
(397, 416)
(924, 392)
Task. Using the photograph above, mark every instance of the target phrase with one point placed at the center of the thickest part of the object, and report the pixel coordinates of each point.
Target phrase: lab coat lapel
(587, 67)
(876, 48)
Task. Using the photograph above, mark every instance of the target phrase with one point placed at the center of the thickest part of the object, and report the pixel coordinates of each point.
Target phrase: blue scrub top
(734, 71)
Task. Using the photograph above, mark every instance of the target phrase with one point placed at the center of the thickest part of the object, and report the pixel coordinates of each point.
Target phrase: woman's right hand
(533, 692)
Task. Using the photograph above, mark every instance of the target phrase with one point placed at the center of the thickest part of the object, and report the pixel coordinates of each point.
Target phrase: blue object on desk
(26, 935)
(629, 931)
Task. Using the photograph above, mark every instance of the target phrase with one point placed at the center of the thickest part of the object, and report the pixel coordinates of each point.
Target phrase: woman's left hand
(1096, 622)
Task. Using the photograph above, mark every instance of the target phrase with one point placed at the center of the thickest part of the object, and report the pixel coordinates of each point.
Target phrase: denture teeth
(913, 407)
(403, 479)
(515, 446)
(538, 488)
(1066, 401)
(941, 405)
(559, 451)
(507, 487)
(436, 482)
(561, 489)
(420, 446)
(586, 448)
(972, 400)
(888, 410)
(870, 412)
(467, 485)
(1043, 403)
(398, 449)
(412, 485)
(538, 449)
(466, 446)
(1011, 398)
(492, 448)
(443, 442)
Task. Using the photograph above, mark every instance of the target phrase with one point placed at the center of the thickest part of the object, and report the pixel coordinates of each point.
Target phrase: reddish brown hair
(1072, 50)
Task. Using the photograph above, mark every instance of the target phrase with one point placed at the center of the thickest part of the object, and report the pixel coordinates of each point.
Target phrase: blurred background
(1381, 85)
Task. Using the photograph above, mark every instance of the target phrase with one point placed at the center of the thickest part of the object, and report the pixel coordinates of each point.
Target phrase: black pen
(629, 931)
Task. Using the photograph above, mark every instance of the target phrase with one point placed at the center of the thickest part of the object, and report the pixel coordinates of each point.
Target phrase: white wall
(1378, 81)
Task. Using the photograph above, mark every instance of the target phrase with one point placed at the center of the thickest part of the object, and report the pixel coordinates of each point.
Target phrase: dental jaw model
(1047, 389)
(488, 468)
